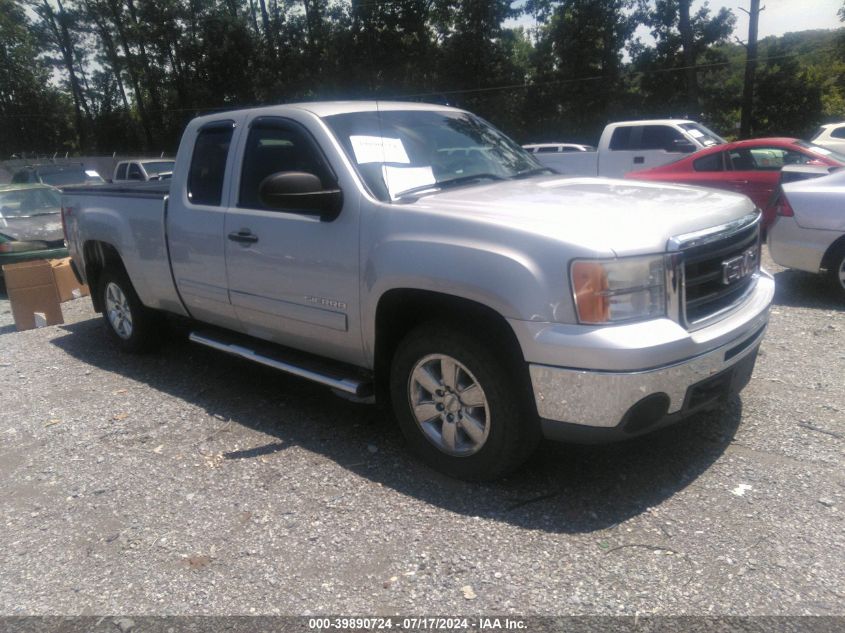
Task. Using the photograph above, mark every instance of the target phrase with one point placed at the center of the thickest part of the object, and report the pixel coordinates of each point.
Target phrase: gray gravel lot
(188, 482)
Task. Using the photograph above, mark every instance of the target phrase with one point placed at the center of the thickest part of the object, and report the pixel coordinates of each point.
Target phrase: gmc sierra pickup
(415, 254)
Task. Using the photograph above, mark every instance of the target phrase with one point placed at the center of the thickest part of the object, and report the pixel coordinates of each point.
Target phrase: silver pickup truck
(415, 254)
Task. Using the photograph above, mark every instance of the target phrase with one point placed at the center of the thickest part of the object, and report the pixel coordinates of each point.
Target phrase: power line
(503, 87)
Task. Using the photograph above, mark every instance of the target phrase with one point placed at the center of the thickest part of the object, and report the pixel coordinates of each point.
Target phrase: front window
(403, 152)
(29, 202)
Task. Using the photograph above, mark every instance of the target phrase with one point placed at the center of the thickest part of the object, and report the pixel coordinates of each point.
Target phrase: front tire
(133, 327)
(460, 406)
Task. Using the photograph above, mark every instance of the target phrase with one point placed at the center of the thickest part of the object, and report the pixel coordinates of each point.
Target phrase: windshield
(398, 152)
(822, 151)
(702, 134)
(67, 177)
(27, 202)
(157, 167)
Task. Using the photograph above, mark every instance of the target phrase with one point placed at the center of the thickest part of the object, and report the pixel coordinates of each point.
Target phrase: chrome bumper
(600, 399)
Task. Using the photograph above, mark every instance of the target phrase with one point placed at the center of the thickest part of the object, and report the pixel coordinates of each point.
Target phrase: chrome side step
(358, 387)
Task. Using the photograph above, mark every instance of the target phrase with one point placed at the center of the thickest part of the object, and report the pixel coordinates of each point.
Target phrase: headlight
(22, 247)
(609, 291)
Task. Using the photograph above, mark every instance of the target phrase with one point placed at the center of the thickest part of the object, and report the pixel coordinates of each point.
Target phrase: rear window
(68, 177)
(208, 164)
(121, 172)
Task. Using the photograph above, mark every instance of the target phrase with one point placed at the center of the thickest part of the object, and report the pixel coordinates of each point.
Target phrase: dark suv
(57, 175)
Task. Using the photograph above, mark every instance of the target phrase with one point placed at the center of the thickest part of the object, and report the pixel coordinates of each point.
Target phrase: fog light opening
(645, 413)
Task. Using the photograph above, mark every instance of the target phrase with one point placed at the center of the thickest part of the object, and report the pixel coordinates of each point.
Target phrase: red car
(751, 167)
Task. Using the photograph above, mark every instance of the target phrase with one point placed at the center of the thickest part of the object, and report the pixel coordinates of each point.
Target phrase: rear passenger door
(293, 279)
(196, 220)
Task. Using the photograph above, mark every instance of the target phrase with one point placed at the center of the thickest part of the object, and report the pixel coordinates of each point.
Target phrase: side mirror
(300, 192)
(683, 146)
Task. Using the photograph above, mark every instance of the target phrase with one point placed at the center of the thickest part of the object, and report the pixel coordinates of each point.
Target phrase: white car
(831, 136)
(809, 229)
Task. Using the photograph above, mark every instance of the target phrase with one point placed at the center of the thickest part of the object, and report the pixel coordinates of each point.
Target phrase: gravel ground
(188, 482)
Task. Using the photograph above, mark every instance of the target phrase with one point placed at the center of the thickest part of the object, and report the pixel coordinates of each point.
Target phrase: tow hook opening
(645, 413)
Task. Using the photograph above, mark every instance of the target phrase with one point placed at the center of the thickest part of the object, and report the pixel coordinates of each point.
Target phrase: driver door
(293, 279)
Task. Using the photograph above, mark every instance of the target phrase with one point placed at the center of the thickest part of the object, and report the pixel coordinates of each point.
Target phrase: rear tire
(133, 327)
(459, 404)
(836, 272)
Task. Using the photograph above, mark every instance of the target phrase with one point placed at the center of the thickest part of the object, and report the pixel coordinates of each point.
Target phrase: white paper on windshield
(91, 173)
(695, 133)
(399, 179)
(378, 149)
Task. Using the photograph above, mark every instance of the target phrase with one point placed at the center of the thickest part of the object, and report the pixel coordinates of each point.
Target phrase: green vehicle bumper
(27, 256)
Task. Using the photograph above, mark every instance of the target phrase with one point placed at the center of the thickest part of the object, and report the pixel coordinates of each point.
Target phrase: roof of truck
(330, 108)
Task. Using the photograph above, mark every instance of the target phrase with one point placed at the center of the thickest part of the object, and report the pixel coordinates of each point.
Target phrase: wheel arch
(97, 256)
(832, 250)
(400, 310)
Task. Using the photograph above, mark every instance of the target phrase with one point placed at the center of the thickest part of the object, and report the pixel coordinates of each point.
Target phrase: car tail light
(783, 208)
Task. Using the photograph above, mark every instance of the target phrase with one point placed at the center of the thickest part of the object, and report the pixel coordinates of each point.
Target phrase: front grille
(706, 292)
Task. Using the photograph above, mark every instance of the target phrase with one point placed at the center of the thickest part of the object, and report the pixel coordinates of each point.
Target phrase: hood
(47, 227)
(601, 214)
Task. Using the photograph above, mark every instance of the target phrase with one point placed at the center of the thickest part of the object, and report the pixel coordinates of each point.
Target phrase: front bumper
(616, 400)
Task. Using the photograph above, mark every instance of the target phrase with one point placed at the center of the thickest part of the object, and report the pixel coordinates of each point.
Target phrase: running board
(302, 366)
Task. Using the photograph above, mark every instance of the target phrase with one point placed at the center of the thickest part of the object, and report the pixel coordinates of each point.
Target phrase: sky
(779, 16)
(783, 16)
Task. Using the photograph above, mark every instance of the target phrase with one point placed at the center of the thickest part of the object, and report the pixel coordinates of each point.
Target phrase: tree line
(126, 75)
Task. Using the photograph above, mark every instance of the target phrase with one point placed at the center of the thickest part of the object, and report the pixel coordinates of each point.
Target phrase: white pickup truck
(414, 253)
(630, 146)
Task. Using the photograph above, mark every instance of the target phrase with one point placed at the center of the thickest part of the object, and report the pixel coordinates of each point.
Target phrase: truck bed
(132, 217)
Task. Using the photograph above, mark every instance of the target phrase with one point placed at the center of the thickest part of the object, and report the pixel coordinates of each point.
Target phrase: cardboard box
(32, 292)
(66, 284)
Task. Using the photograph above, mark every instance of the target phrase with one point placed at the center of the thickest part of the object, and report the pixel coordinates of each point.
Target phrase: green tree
(578, 66)
(33, 115)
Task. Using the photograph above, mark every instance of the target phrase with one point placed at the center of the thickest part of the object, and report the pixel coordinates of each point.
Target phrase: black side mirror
(683, 146)
(300, 192)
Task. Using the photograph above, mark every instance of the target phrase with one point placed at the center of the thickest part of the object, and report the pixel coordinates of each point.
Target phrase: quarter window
(121, 171)
(135, 172)
(713, 162)
(208, 164)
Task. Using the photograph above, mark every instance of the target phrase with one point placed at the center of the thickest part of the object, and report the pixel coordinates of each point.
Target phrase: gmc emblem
(739, 267)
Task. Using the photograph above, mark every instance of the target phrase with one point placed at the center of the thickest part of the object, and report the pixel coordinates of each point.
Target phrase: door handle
(639, 160)
(739, 182)
(244, 236)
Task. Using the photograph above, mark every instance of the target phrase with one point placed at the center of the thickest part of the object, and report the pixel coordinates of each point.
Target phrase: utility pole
(750, 68)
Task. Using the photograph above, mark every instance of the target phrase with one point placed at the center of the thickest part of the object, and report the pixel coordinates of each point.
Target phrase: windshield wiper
(447, 184)
(534, 171)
